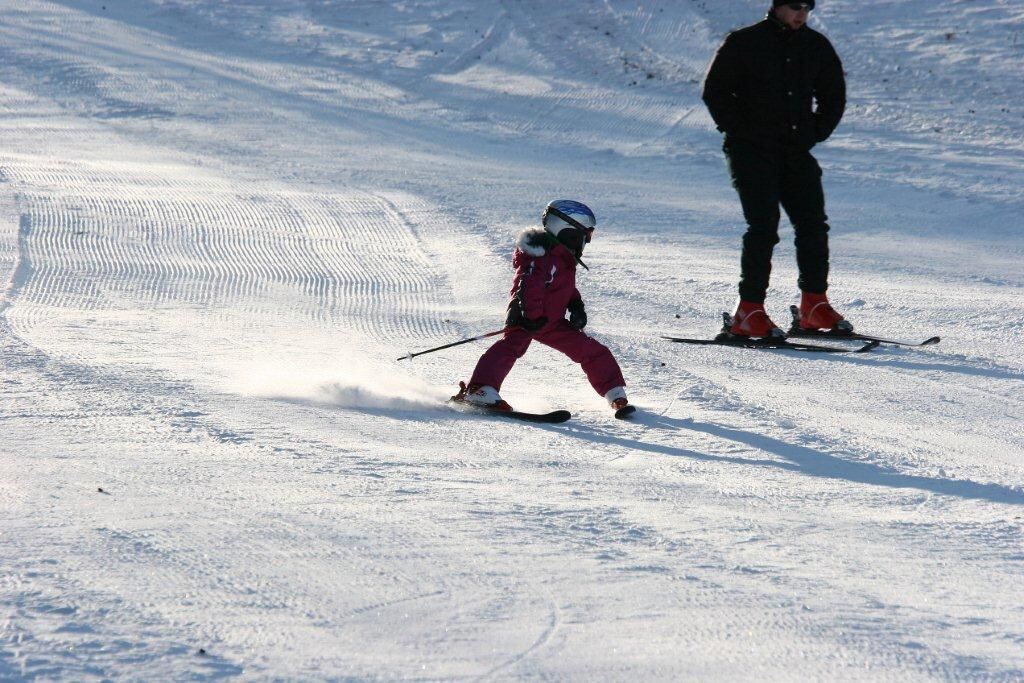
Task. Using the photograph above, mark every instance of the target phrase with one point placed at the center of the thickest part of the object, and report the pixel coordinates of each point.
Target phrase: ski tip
(931, 340)
(558, 416)
(867, 347)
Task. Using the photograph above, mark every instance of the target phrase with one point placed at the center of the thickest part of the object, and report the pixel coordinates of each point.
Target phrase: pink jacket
(545, 280)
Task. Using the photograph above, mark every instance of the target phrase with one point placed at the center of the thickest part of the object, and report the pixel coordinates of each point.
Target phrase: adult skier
(543, 291)
(776, 89)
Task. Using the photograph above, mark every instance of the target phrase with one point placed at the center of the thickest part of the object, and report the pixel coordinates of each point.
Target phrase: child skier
(543, 290)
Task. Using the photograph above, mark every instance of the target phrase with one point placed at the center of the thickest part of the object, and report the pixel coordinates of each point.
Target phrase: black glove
(577, 314)
(515, 318)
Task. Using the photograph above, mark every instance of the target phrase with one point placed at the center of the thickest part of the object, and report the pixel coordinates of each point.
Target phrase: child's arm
(532, 290)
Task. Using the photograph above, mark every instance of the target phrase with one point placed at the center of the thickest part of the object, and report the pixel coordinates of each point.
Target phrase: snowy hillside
(222, 222)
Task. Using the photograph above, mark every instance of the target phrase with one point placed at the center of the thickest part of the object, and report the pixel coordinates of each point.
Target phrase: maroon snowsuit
(544, 284)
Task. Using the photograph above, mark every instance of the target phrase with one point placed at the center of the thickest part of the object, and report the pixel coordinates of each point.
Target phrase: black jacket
(765, 80)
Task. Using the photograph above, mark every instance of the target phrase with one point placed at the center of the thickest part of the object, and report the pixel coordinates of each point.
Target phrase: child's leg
(497, 361)
(595, 358)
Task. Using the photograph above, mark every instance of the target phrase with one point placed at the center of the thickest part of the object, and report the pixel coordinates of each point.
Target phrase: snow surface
(221, 222)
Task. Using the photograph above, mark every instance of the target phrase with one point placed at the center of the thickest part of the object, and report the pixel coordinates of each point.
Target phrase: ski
(625, 412)
(796, 331)
(726, 338)
(554, 417)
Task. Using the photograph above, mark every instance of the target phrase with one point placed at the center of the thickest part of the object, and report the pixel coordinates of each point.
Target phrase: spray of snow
(407, 395)
(356, 385)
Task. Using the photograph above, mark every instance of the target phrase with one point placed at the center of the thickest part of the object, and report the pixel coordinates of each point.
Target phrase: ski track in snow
(220, 224)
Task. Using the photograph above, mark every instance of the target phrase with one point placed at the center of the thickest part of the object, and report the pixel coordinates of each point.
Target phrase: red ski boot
(817, 314)
(751, 320)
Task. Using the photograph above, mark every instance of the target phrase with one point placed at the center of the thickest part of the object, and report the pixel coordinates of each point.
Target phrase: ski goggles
(800, 6)
(571, 221)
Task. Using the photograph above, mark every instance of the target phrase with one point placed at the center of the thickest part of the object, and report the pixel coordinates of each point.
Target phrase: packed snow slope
(222, 222)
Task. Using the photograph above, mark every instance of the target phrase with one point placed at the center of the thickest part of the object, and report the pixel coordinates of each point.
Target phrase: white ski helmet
(578, 214)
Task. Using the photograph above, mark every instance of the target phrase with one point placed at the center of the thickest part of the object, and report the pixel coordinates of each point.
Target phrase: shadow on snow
(804, 460)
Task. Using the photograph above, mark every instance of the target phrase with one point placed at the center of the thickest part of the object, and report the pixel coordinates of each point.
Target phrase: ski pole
(464, 341)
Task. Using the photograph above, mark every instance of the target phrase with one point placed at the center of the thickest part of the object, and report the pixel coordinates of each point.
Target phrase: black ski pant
(766, 177)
